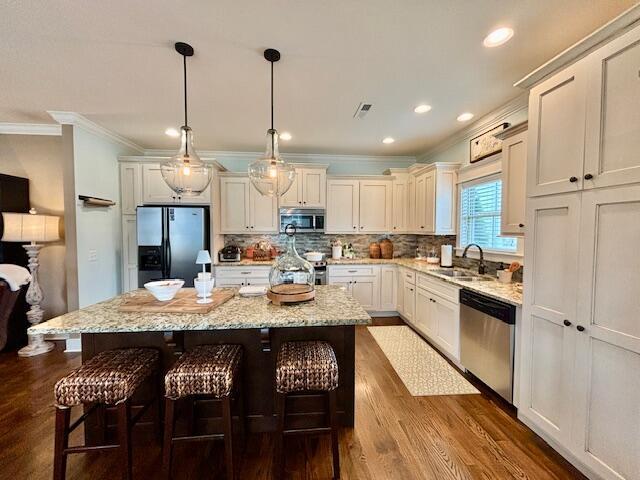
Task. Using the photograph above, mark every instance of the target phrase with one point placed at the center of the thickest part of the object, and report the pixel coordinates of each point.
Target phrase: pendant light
(185, 173)
(270, 174)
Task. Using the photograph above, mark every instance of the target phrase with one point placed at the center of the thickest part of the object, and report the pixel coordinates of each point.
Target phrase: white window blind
(480, 204)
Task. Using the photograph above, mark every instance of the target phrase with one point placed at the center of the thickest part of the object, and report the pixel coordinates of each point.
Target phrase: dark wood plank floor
(396, 436)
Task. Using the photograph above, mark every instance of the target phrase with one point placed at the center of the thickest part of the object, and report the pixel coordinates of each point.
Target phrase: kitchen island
(254, 323)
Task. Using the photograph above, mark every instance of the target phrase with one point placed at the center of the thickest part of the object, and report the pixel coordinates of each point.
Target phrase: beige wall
(39, 158)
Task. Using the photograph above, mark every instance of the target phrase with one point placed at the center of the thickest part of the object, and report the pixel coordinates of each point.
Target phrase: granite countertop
(333, 306)
(506, 292)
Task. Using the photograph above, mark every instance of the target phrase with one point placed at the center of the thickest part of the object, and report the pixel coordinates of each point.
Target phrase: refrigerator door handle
(168, 257)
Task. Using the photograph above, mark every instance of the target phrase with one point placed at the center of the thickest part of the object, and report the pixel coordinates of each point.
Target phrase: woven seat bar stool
(207, 372)
(109, 378)
(306, 367)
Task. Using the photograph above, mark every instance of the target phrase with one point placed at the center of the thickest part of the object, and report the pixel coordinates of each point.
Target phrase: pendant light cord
(186, 124)
(273, 137)
(184, 70)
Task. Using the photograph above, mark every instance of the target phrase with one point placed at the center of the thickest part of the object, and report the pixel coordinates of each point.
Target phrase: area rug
(423, 371)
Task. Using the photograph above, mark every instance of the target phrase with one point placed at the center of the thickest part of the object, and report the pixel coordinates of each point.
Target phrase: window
(480, 204)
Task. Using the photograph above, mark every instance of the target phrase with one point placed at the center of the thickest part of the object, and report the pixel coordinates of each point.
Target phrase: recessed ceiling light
(172, 132)
(285, 136)
(388, 140)
(498, 37)
(465, 117)
(422, 108)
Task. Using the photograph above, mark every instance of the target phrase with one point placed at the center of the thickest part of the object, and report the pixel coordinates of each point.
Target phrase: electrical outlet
(93, 255)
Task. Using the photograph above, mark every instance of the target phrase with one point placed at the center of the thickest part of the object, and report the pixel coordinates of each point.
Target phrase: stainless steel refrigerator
(169, 239)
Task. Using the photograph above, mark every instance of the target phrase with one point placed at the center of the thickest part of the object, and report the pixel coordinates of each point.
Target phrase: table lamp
(204, 282)
(32, 227)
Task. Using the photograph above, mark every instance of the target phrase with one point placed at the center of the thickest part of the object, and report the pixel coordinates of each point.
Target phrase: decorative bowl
(164, 290)
(314, 256)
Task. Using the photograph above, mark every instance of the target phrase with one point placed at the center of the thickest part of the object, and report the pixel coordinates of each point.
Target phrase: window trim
(489, 254)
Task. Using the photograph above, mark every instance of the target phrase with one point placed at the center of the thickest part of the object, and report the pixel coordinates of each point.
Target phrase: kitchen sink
(463, 276)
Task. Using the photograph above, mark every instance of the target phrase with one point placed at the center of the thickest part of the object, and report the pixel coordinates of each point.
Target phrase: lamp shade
(30, 227)
(203, 257)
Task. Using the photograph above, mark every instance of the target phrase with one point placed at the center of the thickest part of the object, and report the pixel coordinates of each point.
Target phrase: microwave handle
(314, 222)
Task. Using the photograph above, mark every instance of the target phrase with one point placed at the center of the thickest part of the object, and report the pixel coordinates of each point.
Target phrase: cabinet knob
(354, 226)
(588, 176)
(567, 323)
(580, 328)
(247, 226)
(521, 225)
(355, 281)
(573, 179)
(421, 227)
(304, 203)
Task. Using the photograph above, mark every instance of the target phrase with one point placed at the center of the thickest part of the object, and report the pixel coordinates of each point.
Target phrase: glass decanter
(290, 268)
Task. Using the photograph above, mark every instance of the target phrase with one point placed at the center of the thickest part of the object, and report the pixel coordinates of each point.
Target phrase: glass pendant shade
(271, 175)
(185, 173)
(291, 268)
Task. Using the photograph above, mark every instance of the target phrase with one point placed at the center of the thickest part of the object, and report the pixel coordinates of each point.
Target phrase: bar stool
(209, 371)
(109, 378)
(306, 367)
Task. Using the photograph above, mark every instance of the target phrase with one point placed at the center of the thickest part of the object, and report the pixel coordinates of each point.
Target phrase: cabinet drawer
(242, 272)
(353, 270)
(409, 276)
(439, 287)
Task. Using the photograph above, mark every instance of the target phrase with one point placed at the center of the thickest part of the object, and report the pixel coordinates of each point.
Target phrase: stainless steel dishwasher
(487, 338)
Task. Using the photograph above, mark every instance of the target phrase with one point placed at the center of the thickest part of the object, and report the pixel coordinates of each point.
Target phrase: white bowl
(164, 290)
(314, 256)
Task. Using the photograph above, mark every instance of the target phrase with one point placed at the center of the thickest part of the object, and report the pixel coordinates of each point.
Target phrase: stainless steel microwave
(305, 220)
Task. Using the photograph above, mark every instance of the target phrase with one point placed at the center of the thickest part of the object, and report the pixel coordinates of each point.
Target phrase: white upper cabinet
(343, 206)
(375, 206)
(243, 209)
(263, 212)
(234, 205)
(359, 205)
(607, 393)
(130, 187)
(155, 189)
(434, 212)
(411, 202)
(514, 178)
(557, 132)
(308, 189)
(400, 218)
(613, 113)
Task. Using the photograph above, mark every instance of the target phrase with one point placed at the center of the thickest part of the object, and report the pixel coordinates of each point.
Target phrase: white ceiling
(113, 61)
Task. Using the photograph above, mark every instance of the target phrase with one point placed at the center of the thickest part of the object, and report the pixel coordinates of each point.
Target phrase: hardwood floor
(396, 436)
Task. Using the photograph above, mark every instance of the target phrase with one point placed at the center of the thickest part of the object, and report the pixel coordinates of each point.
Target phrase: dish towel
(15, 275)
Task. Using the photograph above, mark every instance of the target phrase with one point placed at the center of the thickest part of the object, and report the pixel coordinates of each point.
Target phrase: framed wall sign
(486, 144)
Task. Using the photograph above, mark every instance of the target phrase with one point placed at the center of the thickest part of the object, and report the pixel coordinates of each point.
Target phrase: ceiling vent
(362, 110)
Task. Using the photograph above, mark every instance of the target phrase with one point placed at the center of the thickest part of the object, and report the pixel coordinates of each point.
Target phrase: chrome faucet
(481, 267)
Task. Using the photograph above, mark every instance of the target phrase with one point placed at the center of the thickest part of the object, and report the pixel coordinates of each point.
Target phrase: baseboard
(73, 345)
(563, 451)
(383, 314)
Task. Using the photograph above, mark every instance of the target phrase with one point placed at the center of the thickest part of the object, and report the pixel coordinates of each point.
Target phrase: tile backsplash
(404, 245)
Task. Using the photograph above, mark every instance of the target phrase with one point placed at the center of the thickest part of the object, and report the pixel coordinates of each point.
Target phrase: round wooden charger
(290, 293)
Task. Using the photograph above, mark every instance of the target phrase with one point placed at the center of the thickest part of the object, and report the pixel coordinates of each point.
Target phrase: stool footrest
(92, 448)
(307, 431)
(198, 438)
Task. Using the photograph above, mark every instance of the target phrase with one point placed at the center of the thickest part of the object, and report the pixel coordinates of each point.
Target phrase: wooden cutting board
(183, 302)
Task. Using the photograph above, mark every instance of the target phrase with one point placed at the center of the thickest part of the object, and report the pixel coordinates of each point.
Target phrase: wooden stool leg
(101, 414)
(281, 409)
(227, 422)
(159, 389)
(191, 415)
(333, 419)
(124, 439)
(167, 445)
(241, 416)
(63, 416)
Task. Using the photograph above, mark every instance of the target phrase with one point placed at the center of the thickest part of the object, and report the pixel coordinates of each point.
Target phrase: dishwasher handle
(494, 308)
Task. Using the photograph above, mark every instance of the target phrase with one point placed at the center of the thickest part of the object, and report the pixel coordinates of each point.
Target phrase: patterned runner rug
(423, 371)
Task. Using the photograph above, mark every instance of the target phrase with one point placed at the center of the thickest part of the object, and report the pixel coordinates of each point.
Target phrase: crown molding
(518, 104)
(30, 129)
(614, 28)
(160, 159)
(290, 157)
(73, 118)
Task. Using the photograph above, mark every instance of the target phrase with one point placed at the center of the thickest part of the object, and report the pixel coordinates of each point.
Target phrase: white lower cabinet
(388, 288)
(438, 318)
(241, 276)
(363, 282)
(409, 307)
